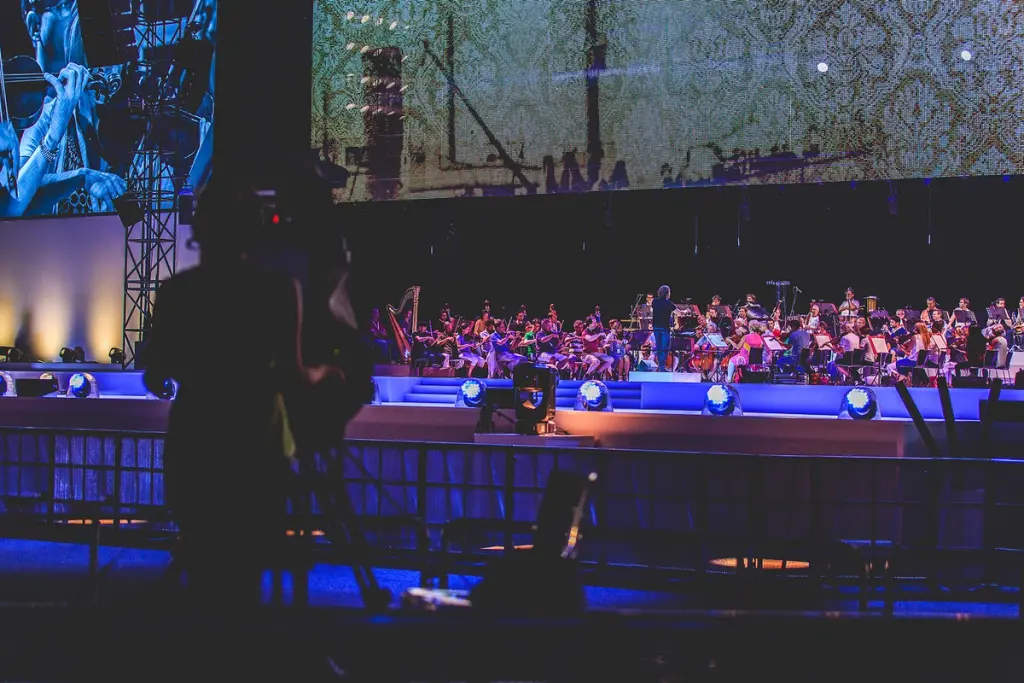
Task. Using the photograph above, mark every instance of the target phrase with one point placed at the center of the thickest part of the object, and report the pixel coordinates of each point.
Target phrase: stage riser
(648, 393)
(640, 494)
(761, 399)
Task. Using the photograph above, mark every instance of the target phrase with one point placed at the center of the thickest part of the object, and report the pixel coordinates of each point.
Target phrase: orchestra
(828, 344)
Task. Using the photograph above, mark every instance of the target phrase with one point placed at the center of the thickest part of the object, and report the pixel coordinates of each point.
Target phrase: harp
(395, 314)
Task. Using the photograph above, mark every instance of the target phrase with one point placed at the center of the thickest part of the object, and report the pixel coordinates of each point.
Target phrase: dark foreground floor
(629, 635)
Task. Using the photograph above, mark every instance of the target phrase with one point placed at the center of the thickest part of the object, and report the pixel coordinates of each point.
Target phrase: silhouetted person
(229, 333)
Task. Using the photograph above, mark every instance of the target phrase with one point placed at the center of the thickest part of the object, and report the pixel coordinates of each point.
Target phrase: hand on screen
(8, 139)
(68, 87)
(103, 189)
(9, 156)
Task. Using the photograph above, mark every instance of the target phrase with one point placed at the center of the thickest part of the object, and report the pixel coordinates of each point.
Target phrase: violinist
(444, 343)
(423, 346)
(813, 319)
(593, 346)
(467, 347)
(547, 345)
(60, 171)
(502, 354)
(618, 349)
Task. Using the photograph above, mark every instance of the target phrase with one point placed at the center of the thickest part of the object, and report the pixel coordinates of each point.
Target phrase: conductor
(662, 311)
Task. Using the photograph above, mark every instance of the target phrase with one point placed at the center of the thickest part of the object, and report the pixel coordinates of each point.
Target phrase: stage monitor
(140, 130)
(441, 98)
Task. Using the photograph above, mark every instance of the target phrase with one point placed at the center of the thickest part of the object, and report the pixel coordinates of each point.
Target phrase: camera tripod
(341, 527)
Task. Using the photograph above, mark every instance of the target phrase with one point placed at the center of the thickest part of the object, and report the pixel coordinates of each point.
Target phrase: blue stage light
(472, 394)
(7, 387)
(859, 403)
(722, 400)
(593, 396)
(82, 385)
(169, 390)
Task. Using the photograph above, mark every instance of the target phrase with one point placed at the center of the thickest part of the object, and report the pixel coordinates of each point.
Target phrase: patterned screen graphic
(419, 99)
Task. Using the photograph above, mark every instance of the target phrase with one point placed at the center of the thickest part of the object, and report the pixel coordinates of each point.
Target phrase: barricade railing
(650, 509)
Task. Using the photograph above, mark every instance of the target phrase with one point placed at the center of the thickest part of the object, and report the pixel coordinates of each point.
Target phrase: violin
(25, 88)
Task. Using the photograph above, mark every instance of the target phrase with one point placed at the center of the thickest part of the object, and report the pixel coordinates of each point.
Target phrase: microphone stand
(792, 307)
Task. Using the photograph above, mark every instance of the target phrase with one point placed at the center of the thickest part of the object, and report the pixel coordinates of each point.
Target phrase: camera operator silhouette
(229, 332)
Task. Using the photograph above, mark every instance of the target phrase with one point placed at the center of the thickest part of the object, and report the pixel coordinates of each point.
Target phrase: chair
(992, 367)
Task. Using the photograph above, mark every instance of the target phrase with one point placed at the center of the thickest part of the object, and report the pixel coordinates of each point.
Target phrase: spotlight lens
(822, 67)
(720, 400)
(3, 386)
(592, 393)
(860, 403)
(473, 391)
(966, 55)
(80, 386)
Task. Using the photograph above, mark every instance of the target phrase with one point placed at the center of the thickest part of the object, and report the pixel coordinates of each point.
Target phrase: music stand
(827, 309)
(773, 345)
(962, 317)
(723, 312)
(880, 348)
(876, 316)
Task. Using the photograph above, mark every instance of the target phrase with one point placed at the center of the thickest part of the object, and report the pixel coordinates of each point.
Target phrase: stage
(647, 413)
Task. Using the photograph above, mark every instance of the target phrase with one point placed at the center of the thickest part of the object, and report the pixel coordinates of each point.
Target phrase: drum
(872, 302)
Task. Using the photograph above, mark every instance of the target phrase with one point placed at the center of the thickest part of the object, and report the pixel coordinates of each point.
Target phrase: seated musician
(501, 355)
(648, 360)
(901, 316)
(850, 341)
(556, 324)
(997, 342)
(468, 347)
(751, 340)
(480, 326)
(528, 344)
(937, 316)
(965, 306)
(377, 335)
(1002, 315)
(519, 323)
(547, 345)
(593, 347)
(813, 318)
(797, 339)
(716, 301)
(445, 343)
(423, 346)
(973, 350)
(618, 349)
(578, 349)
(920, 341)
(930, 308)
(897, 326)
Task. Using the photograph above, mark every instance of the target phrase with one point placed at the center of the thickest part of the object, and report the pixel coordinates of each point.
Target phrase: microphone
(797, 289)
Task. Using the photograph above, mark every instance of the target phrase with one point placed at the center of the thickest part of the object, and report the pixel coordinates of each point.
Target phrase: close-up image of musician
(77, 132)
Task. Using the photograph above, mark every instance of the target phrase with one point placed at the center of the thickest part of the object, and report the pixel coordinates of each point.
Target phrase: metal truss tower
(150, 244)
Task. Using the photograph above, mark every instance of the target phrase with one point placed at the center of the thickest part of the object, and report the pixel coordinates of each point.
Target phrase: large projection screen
(440, 98)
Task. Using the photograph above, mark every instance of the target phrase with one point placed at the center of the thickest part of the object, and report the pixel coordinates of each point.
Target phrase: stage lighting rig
(859, 403)
(722, 400)
(594, 396)
(534, 387)
(10, 354)
(116, 356)
(83, 385)
(7, 386)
